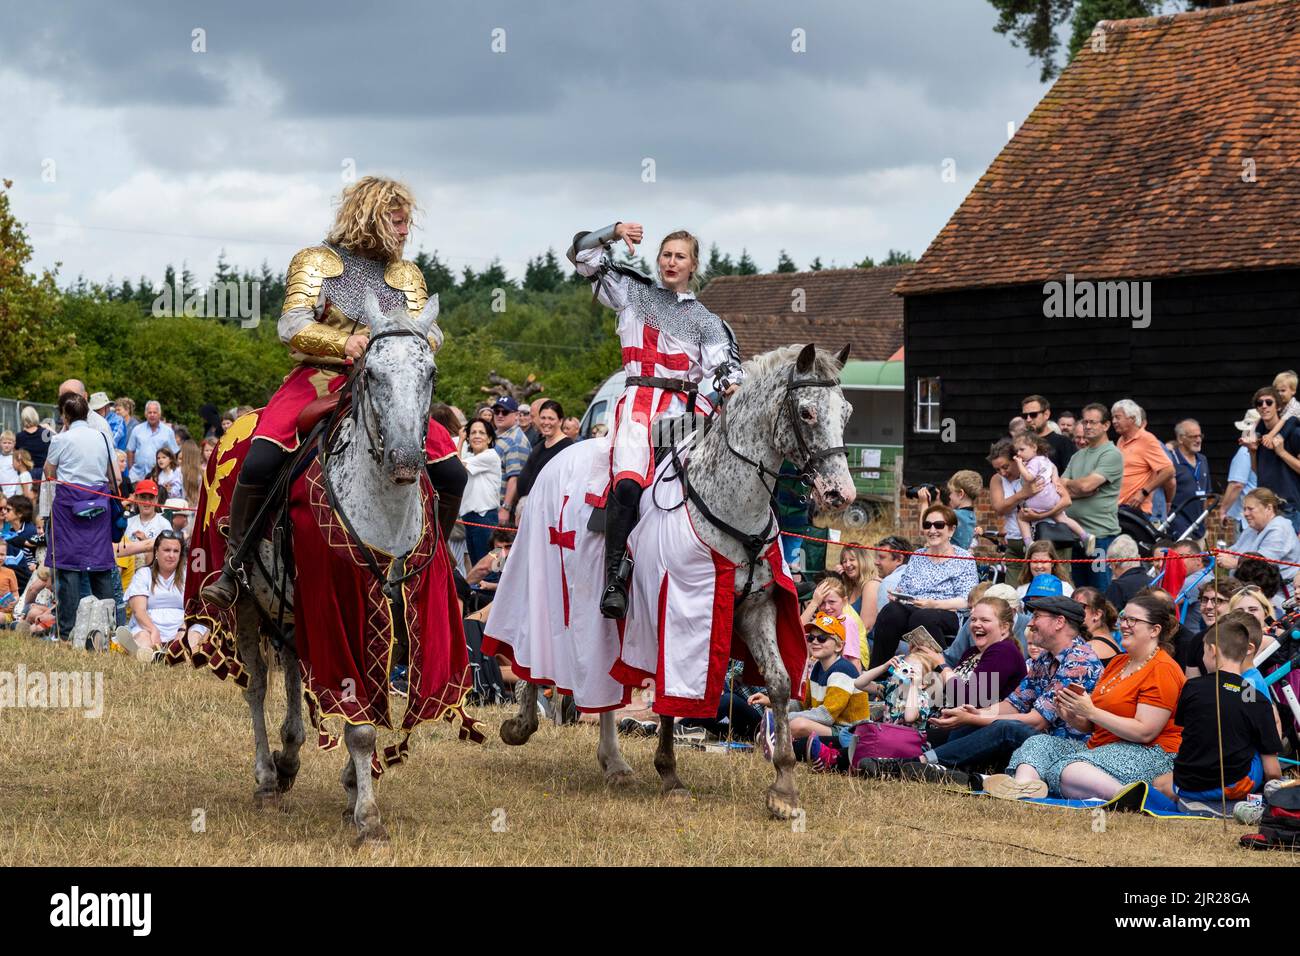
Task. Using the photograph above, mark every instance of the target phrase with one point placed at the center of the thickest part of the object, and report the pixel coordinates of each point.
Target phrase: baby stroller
(1146, 532)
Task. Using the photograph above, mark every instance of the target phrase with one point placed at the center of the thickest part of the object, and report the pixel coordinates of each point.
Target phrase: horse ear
(804, 363)
(426, 322)
(375, 317)
(843, 357)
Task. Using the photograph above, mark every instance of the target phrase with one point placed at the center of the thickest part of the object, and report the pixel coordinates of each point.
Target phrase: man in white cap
(103, 405)
(1241, 476)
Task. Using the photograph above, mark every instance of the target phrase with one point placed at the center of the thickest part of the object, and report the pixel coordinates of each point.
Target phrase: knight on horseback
(323, 323)
(671, 343)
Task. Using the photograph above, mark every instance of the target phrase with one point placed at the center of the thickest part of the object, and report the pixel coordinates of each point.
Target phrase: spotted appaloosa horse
(790, 407)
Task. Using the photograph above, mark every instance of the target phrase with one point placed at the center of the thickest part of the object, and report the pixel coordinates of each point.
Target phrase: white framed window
(927, 405)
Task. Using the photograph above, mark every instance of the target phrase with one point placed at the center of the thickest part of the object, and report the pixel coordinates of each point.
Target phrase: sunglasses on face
(818, 638)
(1264, 403)
(1032, 414)
(936, 525)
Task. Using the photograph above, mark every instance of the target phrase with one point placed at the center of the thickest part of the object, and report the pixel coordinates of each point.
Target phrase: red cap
(146, 486)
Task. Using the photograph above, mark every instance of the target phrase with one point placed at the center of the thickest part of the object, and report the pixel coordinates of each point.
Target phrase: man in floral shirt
(985, 737)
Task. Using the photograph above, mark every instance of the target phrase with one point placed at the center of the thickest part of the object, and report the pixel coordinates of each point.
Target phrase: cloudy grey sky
(159, 154)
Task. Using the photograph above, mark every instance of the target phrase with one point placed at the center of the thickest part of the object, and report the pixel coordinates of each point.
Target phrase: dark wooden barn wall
(1212, 341)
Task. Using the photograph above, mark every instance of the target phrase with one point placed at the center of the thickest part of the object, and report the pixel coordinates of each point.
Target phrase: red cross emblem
(564, 540)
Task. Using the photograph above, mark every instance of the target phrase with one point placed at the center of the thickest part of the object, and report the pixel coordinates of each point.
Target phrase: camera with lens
(909, 491)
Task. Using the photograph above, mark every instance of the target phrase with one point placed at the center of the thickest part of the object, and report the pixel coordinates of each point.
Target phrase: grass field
(127, 787)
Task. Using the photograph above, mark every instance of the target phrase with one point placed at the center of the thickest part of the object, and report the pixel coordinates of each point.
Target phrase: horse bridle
(755, 544)
(359, 395)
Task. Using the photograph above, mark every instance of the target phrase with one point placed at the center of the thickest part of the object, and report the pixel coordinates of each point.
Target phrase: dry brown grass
(122, 790)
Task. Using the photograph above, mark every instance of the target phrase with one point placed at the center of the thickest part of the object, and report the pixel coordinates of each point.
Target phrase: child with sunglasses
(822, 721)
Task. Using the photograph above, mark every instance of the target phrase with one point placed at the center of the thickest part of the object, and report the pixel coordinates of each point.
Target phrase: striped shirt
(833, 689)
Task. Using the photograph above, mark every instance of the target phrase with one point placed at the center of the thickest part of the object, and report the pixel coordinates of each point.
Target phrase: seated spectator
(1099, 620)
(135, 550)
(1128, 573)
(932, 589)
(980, 738)
(891, 559)
(177, 513)
(831, 705)
(1129, 717)
(1195, 574)
(9, 592)
(858, 571)
(18, 532)
(963, 642)
(1240, 725)
(1252, 601)
(1269, 534)
(831, 597)
(478, 505)
(483, 577)
(1043, 559)
(994, 665)
(736, 717)
(1263, 575)
(37, 607)
(157, 600)
(1213, 600)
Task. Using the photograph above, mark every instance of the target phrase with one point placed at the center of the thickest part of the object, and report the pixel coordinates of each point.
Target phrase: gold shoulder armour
(308, 271)
(405, 276)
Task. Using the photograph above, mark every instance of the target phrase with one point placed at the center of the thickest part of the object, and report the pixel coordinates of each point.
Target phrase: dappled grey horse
(790, 407)
(374, 474)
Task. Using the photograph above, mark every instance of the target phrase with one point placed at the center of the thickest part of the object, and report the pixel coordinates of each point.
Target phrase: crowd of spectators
(1090, 655)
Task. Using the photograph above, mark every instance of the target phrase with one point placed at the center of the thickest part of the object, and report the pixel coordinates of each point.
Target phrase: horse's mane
(824, 365)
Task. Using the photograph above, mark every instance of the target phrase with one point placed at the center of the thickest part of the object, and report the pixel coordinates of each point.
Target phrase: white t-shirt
(151, 530)
(10, 481)
(166, 603)
(1010, 526)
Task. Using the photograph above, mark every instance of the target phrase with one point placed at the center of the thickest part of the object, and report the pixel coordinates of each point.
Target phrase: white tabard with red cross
(650, 352)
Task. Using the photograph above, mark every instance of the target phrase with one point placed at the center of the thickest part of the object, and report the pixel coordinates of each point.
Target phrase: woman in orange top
(1130, 713)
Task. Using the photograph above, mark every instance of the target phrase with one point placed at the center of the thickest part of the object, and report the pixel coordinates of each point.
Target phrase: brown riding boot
(245, 503)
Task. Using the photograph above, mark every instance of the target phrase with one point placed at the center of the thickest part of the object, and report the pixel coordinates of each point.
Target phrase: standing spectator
(478, 505)
(551, 442)
(1129, 576)
(528, 426)
(1285, 385)
(1066, 422)
(145, 440)
(1080, 435)
(191, 465)
(1191, 477)
(1277, 457)
(211, 420)
(10, 484)
(33, 438)
(1047, 503)
(93, 418)
(100, 403)
(1146, 466)
(167, 473)
(79, 539)
(1007, 491)
(570, 426)
(514, 448)
(1241, 474)
(1092, 480)
(125, 407)
(1037, 412)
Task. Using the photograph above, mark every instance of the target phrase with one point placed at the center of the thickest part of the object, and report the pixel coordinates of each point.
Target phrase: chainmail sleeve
(720, 354)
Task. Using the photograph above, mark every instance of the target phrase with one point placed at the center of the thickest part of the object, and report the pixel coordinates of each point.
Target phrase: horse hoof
(285, 772)
(677, 795)
(780, 806)
(619, 777)
(515, 733)
(372, 836)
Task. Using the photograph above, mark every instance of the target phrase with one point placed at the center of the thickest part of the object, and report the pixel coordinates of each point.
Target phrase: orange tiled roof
(856, 306)
(1132, 165)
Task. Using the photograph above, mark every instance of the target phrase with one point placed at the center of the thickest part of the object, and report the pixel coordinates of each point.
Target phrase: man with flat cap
(981, 738)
